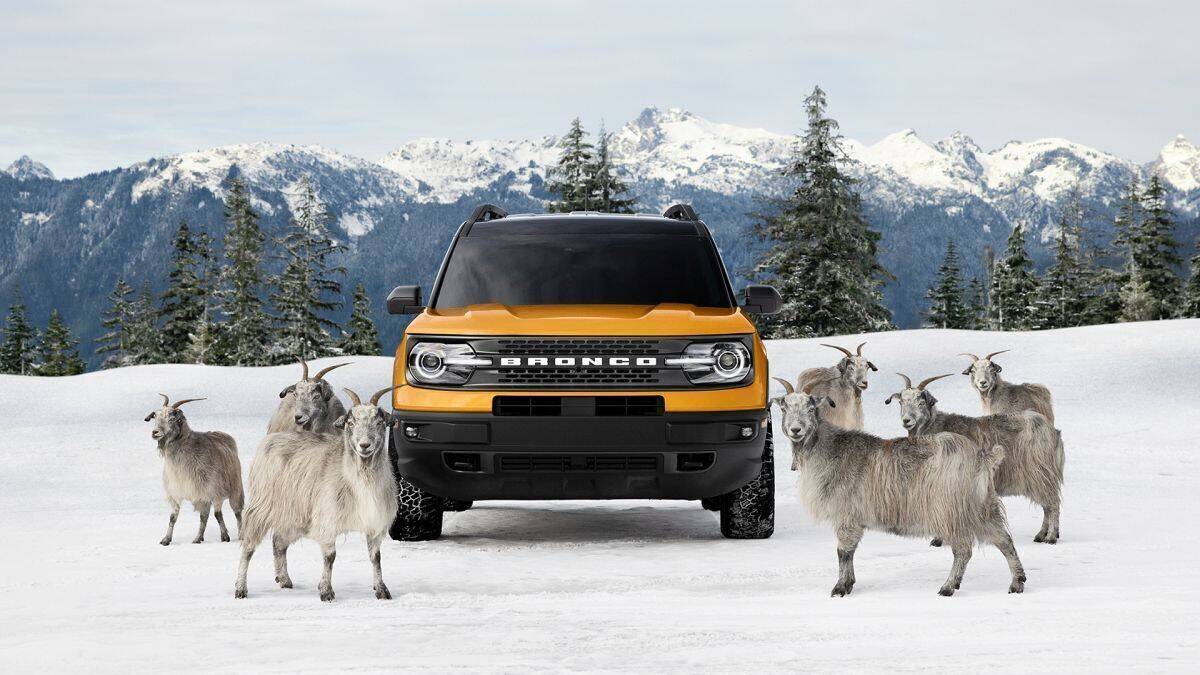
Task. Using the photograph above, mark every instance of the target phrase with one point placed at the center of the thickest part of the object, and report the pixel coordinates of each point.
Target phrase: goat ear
(844, 364)
(340, 422)
(996, 367)
(777, 402)
(829, 401)
(287, 390)
(929, 398)
(872, 366)
(888, 400)
(967, 371)
(149, 417)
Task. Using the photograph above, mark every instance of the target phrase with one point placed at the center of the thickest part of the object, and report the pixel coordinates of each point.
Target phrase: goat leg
(239, 587)
(280, 547)
(962, 555)
(166, 540)
(381, 589)
(203, 508)
(1049, 532)
(328, 553)
(848, 538)
(221, 522)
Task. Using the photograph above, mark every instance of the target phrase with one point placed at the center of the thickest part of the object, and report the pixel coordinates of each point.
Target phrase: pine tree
(1014, 286)
(1158, 256)
(360, 336)
(307, 286)
(570, 178)
(823, 253)
(145, 338)
(244, 336)
(609, 190)
(946, 306)
(58, 354)
(183, 301)
(17, 352)
(1062, 294)
(115, 343)
(1191, 292)
(204, 340)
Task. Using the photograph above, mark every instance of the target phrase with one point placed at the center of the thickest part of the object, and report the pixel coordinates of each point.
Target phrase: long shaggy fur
(1034, 457)
(832, 382)
(1007, 397)
(201, 467)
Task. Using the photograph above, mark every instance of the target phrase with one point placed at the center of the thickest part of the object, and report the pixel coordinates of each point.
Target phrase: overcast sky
(88, 86)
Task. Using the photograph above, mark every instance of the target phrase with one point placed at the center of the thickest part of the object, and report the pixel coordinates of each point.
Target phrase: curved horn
(321, 373)
(166, 401)
(927, 380)
(968, 354)
(786, 385)
(186, 400)
(304, 365)
(989, 356)
(353, 396)
(858, 351)
(376, 396)
(840, 349)
(907, 382)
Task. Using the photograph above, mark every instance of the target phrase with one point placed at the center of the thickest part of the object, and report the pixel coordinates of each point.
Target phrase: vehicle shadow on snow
(550, 522)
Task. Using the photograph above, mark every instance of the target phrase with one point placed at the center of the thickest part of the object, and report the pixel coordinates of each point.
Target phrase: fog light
(411, 431)
(747, 431)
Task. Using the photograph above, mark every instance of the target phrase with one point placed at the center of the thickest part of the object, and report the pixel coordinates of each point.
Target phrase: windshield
(583, 270)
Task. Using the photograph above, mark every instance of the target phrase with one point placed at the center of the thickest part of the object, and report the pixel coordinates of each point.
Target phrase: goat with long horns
(308, 405)
(843, 383)
(998, 396)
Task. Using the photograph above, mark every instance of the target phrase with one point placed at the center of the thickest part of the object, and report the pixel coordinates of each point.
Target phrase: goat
(308, 405)
(1033, 448)
(938, 485)
(842, 383)
(198, 466)
(320, 486)
(999, 396)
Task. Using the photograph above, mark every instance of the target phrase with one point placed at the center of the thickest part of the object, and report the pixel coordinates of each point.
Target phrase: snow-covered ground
(619, 585)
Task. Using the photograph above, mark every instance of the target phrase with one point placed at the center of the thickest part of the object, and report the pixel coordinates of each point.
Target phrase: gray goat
(939, 485)
(1033, 448)
(843, 383)
(321, 486)
(198, 466)
(999, 396)
(308, 405)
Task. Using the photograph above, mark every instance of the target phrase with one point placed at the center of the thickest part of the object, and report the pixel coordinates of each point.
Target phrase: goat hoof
(946, 591)
(1039, 538)
(284, 582)
(382, 592)
(1050, 540)
(198, 540)
(164, 541)
(840, 591)
(935, 542)
(1017, 587)
(239, 592)
(225, 537)
(327, 596)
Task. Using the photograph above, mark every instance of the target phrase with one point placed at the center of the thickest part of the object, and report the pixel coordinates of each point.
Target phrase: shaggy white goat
(308, 405)
(320, 486)
(844, 383)
(939, 485)
(999, 396)
(201, 467)
(1033, 448)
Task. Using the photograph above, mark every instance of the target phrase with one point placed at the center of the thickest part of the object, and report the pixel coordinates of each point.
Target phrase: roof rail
(481, 213)
(680, 212)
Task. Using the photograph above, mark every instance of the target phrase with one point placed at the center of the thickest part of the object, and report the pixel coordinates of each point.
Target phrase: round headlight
(430, 364)
(728, 362)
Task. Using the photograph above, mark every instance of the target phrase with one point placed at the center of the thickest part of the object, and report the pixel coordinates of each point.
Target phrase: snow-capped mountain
(67, 241)
(25, 168)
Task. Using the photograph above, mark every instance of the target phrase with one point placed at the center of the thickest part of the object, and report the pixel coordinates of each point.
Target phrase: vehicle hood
(601, 320)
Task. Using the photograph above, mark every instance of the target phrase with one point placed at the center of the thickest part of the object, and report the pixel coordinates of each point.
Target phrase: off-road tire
(456, 505)
(749, 511)
(418, 513)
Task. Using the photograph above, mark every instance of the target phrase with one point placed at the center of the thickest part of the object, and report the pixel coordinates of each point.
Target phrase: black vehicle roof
(586, 223)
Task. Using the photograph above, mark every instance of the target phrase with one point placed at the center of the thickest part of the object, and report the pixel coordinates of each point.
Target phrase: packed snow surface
(628, 585)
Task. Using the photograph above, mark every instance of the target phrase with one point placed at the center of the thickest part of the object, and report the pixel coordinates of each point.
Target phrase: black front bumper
(670, 456)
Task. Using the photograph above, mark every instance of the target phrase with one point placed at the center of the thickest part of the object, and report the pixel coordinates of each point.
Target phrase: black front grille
(578, 463)
(535, 377)
(578, 346)
(577, 406)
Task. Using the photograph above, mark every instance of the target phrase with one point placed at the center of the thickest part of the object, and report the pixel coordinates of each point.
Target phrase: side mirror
(405, 300)
(762, 300)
